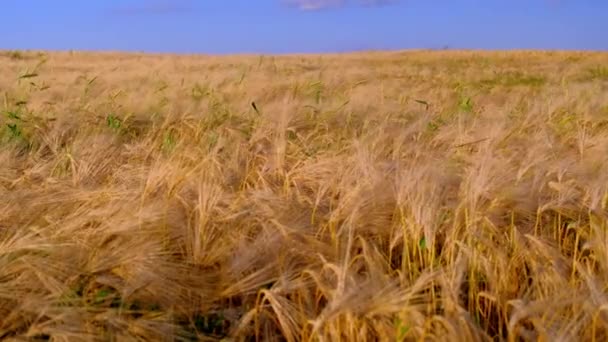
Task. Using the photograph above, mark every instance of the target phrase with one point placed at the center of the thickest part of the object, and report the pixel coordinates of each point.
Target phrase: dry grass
(386, 196)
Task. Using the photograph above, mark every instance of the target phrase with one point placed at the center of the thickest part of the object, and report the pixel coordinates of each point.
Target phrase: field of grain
(394, 196)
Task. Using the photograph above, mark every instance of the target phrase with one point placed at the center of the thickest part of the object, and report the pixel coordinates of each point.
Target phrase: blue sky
(295, 26)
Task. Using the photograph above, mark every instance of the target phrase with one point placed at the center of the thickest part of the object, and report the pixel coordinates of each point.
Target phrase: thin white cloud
(315, 5)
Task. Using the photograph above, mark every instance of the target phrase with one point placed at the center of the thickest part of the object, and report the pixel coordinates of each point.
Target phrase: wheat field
(378, 196)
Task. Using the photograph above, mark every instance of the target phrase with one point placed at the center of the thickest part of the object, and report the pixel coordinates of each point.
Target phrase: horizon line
(295, 53)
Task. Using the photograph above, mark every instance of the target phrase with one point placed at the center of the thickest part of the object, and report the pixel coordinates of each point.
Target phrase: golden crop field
(380, 196)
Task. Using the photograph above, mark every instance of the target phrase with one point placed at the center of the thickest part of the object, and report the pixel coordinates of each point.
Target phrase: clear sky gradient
(301, 26)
